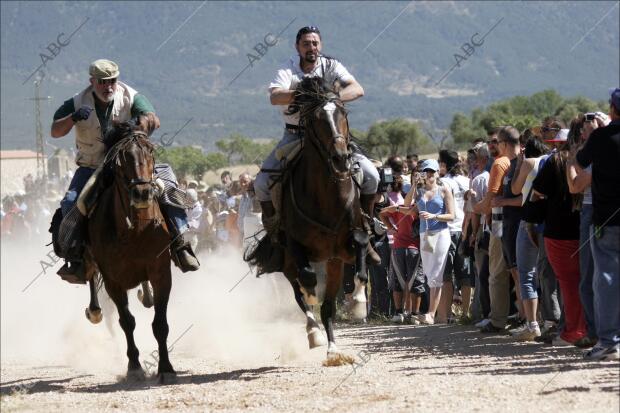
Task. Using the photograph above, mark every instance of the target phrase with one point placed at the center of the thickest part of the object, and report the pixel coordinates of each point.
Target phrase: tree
(393, 137)
(188, 160)
(233, 146)
(522, 112)
(463, 131)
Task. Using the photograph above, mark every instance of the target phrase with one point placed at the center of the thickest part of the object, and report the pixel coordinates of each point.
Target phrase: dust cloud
(251, 324)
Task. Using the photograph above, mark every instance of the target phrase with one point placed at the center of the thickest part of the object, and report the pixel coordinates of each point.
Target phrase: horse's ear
(147, 123)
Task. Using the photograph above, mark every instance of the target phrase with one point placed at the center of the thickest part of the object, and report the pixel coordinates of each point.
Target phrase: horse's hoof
(358, 310)
(136, 375)
(167, 378)
(316, 338)
(94, 316)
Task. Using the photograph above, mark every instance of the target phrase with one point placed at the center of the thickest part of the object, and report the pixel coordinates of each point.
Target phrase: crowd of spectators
(26, 213)
(522, 232)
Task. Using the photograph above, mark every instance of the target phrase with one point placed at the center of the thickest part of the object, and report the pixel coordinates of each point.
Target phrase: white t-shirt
(480, 185)
(459, 185)
(289, 76)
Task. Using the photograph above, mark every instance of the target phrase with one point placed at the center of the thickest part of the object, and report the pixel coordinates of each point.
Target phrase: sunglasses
(106, 81)
(306, 30)
(547, 129)
(427, 170)
(494, 141)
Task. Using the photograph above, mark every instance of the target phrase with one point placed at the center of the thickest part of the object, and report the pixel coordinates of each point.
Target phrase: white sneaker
(527, 334)
(398, 318)
(482, 323)
(518, 330)
(603, 353)
(426, 319)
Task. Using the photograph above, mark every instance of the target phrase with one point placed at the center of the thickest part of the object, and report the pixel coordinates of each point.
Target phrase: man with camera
(602, 151)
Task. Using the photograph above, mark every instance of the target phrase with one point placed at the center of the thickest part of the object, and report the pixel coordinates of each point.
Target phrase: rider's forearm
(351, 92)
(61, 127)
(282, 97)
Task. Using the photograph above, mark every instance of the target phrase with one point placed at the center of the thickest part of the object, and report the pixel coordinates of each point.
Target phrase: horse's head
(131, 157)
(324, 119)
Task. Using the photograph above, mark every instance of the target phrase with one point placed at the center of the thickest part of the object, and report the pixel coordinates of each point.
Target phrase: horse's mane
(313, 92)
(121, 136)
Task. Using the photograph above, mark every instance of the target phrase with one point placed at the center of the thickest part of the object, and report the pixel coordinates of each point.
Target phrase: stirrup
(74, 274)
(185, 259)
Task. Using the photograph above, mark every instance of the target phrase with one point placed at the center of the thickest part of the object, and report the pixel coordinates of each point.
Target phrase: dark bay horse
(320, 211)
(129, 240)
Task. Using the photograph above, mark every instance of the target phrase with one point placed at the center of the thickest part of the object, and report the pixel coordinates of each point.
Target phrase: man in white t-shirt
(309, 62)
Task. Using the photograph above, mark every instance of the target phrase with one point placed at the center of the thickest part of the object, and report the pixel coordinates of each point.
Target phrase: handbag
(430, 241)
(534, 212)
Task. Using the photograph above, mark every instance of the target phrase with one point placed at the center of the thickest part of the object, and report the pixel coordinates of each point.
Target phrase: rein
(113, 156)
(335, 176)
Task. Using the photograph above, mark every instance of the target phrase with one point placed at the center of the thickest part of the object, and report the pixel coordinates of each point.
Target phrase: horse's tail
(264, 256)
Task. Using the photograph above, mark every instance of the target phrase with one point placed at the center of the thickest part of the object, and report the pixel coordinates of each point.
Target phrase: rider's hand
(81, 114)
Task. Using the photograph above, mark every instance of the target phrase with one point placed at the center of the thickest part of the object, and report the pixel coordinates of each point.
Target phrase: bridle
(114, 157)
(313, 137)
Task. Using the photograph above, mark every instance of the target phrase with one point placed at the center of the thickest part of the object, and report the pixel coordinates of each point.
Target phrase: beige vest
(88, 135)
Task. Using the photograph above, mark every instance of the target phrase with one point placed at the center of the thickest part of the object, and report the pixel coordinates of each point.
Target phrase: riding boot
(367, 202)
(74, 270)
(182, 253)
(271, 247)
(180, 247)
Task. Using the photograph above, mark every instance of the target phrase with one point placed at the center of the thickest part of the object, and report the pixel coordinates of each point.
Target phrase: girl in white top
(435, 206)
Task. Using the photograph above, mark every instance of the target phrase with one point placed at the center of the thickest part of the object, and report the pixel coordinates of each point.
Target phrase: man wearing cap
(602, 151)
(309, 62)
(92, 111)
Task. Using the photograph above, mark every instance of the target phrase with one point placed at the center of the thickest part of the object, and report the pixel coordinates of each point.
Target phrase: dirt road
(245, 349)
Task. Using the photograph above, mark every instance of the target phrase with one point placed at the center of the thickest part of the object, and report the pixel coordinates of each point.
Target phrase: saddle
(289, 155)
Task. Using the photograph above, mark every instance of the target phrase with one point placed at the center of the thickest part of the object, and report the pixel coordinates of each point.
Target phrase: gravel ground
(244, 348)
(402, 368)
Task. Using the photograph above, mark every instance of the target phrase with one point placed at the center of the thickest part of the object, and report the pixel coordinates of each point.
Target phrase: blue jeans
(263, 180)
(586, 269)
(81, 176)
(606, 254)
(551, 299)
(527, 255)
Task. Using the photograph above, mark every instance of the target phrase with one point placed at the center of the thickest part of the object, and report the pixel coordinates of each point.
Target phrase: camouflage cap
(103, 69)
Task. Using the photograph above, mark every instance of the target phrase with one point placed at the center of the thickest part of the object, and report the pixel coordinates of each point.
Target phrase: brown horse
(320, 212)
(129, 240)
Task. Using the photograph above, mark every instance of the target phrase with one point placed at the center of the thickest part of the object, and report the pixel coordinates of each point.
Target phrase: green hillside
(188, 76)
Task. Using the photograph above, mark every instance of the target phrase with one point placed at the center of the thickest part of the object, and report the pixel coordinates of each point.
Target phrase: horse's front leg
(306, 274)
(128, 324)
(93, 311)
(328, 308)
(359, 306)
(161, 294)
